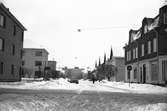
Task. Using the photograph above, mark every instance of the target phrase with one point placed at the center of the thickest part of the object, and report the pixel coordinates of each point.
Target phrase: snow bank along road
(60, 95)
(66, 100)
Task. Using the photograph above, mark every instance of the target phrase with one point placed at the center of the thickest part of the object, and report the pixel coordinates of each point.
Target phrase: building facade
(52, 65)
(118, 68)
(11, 45)
(34, 62)
(75, 73)
(146, 51)
(119, 63)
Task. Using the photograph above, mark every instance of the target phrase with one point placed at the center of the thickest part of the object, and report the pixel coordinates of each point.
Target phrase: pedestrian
(93, 77)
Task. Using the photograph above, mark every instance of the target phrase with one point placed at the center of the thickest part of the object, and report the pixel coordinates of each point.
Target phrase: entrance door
(144, 73)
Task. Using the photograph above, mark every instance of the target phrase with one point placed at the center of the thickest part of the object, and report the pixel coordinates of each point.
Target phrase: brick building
(11, 45)
(34, 62)
(146, 51)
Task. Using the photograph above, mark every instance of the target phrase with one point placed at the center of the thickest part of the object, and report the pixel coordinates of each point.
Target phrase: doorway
(144, 73)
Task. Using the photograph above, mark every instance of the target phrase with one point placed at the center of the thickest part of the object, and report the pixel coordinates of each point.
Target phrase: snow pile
(150, 107)
(85, 85)
(136, 88)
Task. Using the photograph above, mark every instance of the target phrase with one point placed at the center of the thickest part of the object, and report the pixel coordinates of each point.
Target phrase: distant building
(74, 73)
(11, 45)
(34, 62)
(146, 51)
(118, 64)
(52, 65)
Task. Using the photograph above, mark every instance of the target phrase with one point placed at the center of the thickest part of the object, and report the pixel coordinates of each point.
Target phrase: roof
(36, 49)
(6, 10)
(148, 24)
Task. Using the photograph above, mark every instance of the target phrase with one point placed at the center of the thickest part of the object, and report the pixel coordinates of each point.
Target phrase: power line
(103, 28)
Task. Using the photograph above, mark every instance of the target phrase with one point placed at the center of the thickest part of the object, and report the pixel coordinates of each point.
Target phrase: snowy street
(60, 95)
(52, 100)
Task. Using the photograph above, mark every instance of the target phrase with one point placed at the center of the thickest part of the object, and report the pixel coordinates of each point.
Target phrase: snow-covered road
(60, 95)
(63, 100)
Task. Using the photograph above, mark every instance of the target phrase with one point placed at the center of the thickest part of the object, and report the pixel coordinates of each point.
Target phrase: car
(73, 81)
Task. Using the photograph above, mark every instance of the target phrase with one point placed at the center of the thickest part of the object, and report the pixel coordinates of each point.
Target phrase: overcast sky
(53, 24)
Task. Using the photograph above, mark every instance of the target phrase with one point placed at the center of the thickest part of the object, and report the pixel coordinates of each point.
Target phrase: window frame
(154, 44)
(4, 20)
(13, 49)
(14, 30)
(149, 47)
(165, 18)
(38, 53)
(1, 68)
(37, 63)
(12, 69)
(142, 50)
(3, 44)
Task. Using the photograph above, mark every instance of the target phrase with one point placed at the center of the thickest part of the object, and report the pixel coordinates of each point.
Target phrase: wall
(6, 57)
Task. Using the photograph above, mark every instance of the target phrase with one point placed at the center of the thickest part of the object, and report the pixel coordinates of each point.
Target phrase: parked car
(73, 81)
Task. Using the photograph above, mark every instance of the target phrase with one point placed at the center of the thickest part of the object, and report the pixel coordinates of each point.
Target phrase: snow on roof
(153, 24)
(148, 24)
(135, 34)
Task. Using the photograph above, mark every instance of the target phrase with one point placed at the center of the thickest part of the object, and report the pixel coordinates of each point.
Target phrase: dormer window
(165, 18)
(145, 29)
(2, 20)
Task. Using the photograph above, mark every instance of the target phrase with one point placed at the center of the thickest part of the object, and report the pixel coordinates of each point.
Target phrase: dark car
(73, 81)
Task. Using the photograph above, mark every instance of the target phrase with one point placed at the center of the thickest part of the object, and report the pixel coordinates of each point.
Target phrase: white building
(34, 62)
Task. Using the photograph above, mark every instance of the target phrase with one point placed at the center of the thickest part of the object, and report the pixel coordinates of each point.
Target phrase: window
(12, 69)
(129, 55)
(38, 63)
(2, 20)
(22, 36)
(38, 74)
(1, 67)
(142, 50)
(21, 53)
(149, 47)
(154, 71)
(136, 52)
(2, 44)
(164, 70)
(13, 49)
(165, 18)
(154, 45)
(14, 30)
(38, 53)
(23, 63)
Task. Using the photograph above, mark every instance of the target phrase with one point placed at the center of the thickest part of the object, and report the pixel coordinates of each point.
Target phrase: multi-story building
(146, 51)
(52, 65)
(11, 45)
(34, 62)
